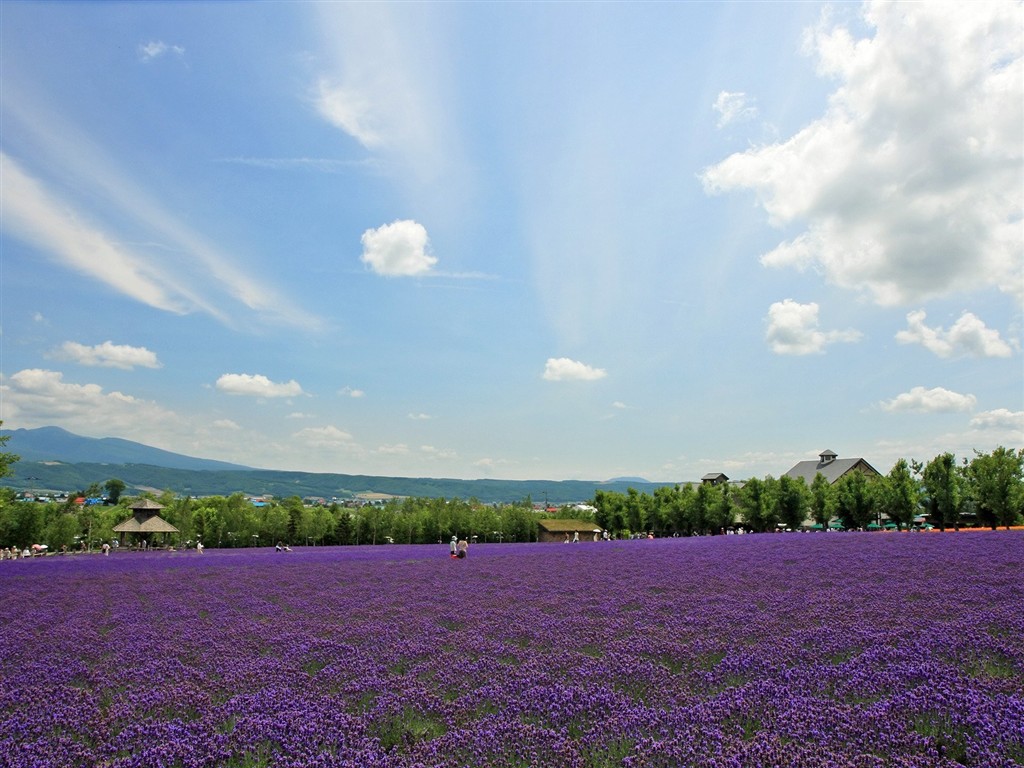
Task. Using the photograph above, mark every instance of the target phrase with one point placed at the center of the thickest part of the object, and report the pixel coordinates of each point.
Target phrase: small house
(553, 529)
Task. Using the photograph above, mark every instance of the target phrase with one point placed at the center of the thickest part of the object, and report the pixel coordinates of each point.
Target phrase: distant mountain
(641, 480)
(53, 459)
(56, 444)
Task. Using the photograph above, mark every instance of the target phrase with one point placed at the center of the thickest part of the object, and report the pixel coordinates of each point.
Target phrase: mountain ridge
(45, 467)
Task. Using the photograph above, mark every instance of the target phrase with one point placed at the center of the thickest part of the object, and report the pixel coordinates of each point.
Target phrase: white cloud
(36, 397)
(733, 107)
(793, 329)
(1000, 419)
(37, 217)
(398, 249)
(324, 437)
(109, 355)
(935, 400)
(226, 424)
(420, 416)
(349, 110)
(154, 49)
(620, 405)
(564, 369)
(397, 449)
(108, 226)
(909, 184)
(967, 336)
(256, 386)
(437, 453)
(350, 392)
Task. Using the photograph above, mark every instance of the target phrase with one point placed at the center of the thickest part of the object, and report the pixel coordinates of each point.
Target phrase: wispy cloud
(182, 274)
(109, 355)
(565, 369)
(256, 385)
(935, 400)
(733, 107)
(318, 164)
(907, 192)
(350, 392)
(37, 217)
(349, 110)
(154, 49)
(793, 329)
(967, 336)
(420, 416)
(324, 437)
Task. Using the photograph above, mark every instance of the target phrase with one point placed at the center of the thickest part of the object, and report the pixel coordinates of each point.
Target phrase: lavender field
(787, 650)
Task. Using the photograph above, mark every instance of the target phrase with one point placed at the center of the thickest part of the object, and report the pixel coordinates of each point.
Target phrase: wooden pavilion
(145, 520)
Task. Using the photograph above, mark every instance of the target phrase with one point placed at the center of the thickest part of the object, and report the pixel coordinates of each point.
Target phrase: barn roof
(829, 466)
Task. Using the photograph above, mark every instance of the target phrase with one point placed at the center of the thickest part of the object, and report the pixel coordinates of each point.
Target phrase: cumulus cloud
(154, 49)
(398, 249)
(935, 400)
(967, 336)
(733, 107)
(38, 397)
(256, 385)
(350, 392)
(349, 110)
(226, 424)
(793, 329)
(564, 369)
(1000, 419)
(109, 355)
(909, 184)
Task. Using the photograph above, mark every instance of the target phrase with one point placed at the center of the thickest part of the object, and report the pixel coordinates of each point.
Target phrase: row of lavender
(855, 650)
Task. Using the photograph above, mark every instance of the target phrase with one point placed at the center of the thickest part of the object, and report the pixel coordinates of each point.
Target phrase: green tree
(114, 488)
(61, 531)
(316, 524)
(636, 521)
(704, 499)
(996, 485)
(822, 500)
(7, 459)
(754, 505)
(855, 502)
(942, 488)
(792, 501)
(722, 510)
(899, 495)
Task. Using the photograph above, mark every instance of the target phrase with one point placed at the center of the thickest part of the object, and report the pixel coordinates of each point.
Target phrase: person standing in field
(463, 548)
(453, 547)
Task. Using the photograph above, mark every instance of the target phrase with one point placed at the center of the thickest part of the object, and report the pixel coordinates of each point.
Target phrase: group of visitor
(458, 548)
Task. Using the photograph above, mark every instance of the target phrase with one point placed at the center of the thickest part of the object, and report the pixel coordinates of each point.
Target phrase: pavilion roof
(154, 524)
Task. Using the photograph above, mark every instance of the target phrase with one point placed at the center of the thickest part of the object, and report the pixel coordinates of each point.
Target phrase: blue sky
(515, 240)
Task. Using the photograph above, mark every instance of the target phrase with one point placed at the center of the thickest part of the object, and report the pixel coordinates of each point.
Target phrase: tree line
(985, 490)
